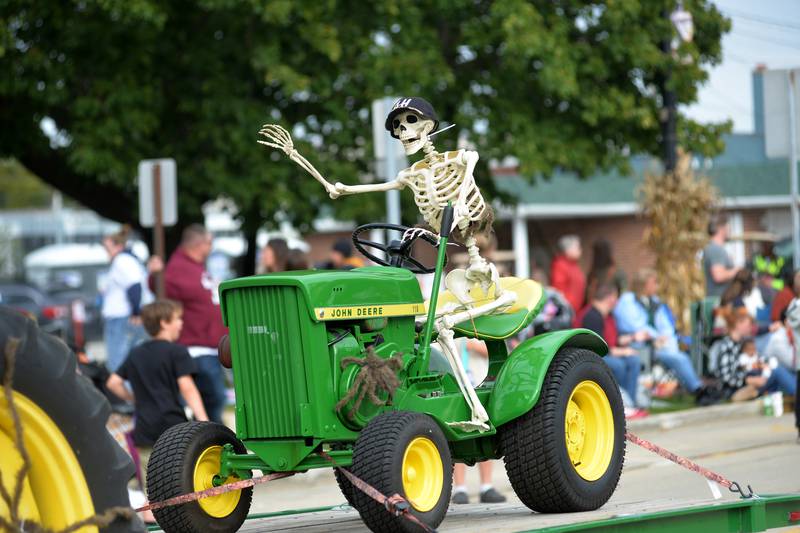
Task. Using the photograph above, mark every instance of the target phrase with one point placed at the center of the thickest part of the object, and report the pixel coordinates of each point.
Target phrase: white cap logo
(403, 102)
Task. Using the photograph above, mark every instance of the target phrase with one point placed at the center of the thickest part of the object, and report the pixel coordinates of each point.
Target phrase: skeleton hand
(279, 138)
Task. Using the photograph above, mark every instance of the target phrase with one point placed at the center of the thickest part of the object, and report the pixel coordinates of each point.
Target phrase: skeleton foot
(479, 415)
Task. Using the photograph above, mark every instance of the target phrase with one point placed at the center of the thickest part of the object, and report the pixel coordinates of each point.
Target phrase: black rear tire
(45, 373)
(379, 459)
(170, 473)
(535, 445)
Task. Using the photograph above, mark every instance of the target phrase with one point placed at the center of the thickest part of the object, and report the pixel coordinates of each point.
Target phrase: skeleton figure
(436, 180)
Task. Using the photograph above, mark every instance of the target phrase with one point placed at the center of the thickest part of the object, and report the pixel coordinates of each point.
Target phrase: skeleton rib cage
(446, 180)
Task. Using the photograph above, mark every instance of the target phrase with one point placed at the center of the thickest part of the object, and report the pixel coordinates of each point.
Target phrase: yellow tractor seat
(503, 322)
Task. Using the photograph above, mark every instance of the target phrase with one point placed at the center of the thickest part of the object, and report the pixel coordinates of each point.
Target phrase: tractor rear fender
(517, 387)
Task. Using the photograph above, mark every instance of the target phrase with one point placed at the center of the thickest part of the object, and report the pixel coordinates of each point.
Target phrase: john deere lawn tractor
(303, 343)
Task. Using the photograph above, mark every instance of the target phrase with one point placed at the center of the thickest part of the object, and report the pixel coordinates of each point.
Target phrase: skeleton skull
(412, 130)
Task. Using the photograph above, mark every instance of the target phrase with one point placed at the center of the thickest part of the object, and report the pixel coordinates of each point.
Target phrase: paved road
(753, 449)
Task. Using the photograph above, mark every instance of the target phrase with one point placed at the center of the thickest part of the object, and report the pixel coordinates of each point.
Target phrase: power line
(760, 19)
(780, 42)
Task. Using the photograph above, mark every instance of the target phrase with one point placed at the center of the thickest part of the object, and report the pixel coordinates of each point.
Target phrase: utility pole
(389, 159)
(668, 117)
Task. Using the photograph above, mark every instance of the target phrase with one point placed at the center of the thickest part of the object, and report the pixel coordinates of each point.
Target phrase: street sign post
(158, 204)
(389, 157)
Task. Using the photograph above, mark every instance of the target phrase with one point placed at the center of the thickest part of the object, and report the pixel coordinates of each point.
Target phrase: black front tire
(535, 445)
(170, 473)
(378, 459)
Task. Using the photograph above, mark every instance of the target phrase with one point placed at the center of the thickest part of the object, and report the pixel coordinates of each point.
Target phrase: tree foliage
(20, 189)
(558, 84)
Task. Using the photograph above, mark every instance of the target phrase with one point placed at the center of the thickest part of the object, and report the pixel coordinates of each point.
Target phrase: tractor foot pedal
(470, 425)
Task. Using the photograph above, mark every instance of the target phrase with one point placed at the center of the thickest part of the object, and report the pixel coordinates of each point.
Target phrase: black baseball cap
(412, 103)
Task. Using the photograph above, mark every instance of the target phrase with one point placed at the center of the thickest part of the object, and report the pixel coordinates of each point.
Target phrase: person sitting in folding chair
(641, 310)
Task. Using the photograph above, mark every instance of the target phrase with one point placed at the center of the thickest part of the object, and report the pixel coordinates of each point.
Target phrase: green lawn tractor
(556, 415)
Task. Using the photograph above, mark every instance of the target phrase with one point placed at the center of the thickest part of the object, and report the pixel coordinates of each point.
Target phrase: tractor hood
(368, 292)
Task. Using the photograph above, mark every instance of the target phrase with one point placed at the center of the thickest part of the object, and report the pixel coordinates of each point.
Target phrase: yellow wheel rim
(55, 493)
(423, 474)
(589, 430)
(206, 467)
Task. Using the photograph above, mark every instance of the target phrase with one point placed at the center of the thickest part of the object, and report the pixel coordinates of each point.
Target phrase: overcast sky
(764, 32)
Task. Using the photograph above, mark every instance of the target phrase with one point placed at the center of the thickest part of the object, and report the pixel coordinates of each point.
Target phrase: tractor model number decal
(367, 311)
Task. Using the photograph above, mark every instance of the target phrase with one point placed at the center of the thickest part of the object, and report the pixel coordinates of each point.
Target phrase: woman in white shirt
(124, 294)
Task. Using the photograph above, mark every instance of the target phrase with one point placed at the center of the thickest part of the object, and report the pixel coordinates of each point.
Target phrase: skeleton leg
(479, 415)
(444, 326)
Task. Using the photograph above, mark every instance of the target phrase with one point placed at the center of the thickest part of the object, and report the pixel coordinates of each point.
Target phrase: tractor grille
(268, 360)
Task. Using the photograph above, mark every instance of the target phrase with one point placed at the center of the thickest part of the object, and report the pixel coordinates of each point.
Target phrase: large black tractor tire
(45, 379)
(404, 453)
(566, 453)
(178, 455)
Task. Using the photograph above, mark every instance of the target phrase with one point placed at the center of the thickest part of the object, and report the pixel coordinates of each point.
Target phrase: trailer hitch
(737, 489)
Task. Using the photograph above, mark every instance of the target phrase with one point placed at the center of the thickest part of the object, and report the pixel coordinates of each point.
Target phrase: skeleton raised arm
(279, 138)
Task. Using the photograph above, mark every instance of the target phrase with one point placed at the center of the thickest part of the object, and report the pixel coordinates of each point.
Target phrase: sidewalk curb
(696, 415)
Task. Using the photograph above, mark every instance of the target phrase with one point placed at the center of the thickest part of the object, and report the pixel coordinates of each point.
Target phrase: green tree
(20, 189)
(93, 86)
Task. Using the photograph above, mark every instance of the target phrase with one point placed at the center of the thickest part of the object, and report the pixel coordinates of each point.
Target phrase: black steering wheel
(398, 251)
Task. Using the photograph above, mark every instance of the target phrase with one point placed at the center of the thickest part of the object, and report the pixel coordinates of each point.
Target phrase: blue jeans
(626, 371)
(210, 382)
(120, 336)
(680, 363)
(782, 380)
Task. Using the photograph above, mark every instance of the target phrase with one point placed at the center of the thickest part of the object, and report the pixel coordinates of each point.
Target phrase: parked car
(72, 275)
(52, 315)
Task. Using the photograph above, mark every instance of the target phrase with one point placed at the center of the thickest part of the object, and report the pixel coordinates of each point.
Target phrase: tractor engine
(289, 333)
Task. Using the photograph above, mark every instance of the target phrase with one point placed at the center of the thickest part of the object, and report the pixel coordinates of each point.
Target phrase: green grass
(677, 402)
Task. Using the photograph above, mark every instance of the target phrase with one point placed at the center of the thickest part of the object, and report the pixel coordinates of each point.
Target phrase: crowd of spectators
(755, 323)
(750, 349)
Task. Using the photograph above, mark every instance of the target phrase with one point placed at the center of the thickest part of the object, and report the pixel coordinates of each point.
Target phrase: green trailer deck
(667, 515)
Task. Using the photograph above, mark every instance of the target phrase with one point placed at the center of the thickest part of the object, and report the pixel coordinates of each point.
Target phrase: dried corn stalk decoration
(677, 207)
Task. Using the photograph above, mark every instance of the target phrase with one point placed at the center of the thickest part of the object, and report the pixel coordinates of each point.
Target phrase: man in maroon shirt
(566, 275)
(186, 281)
